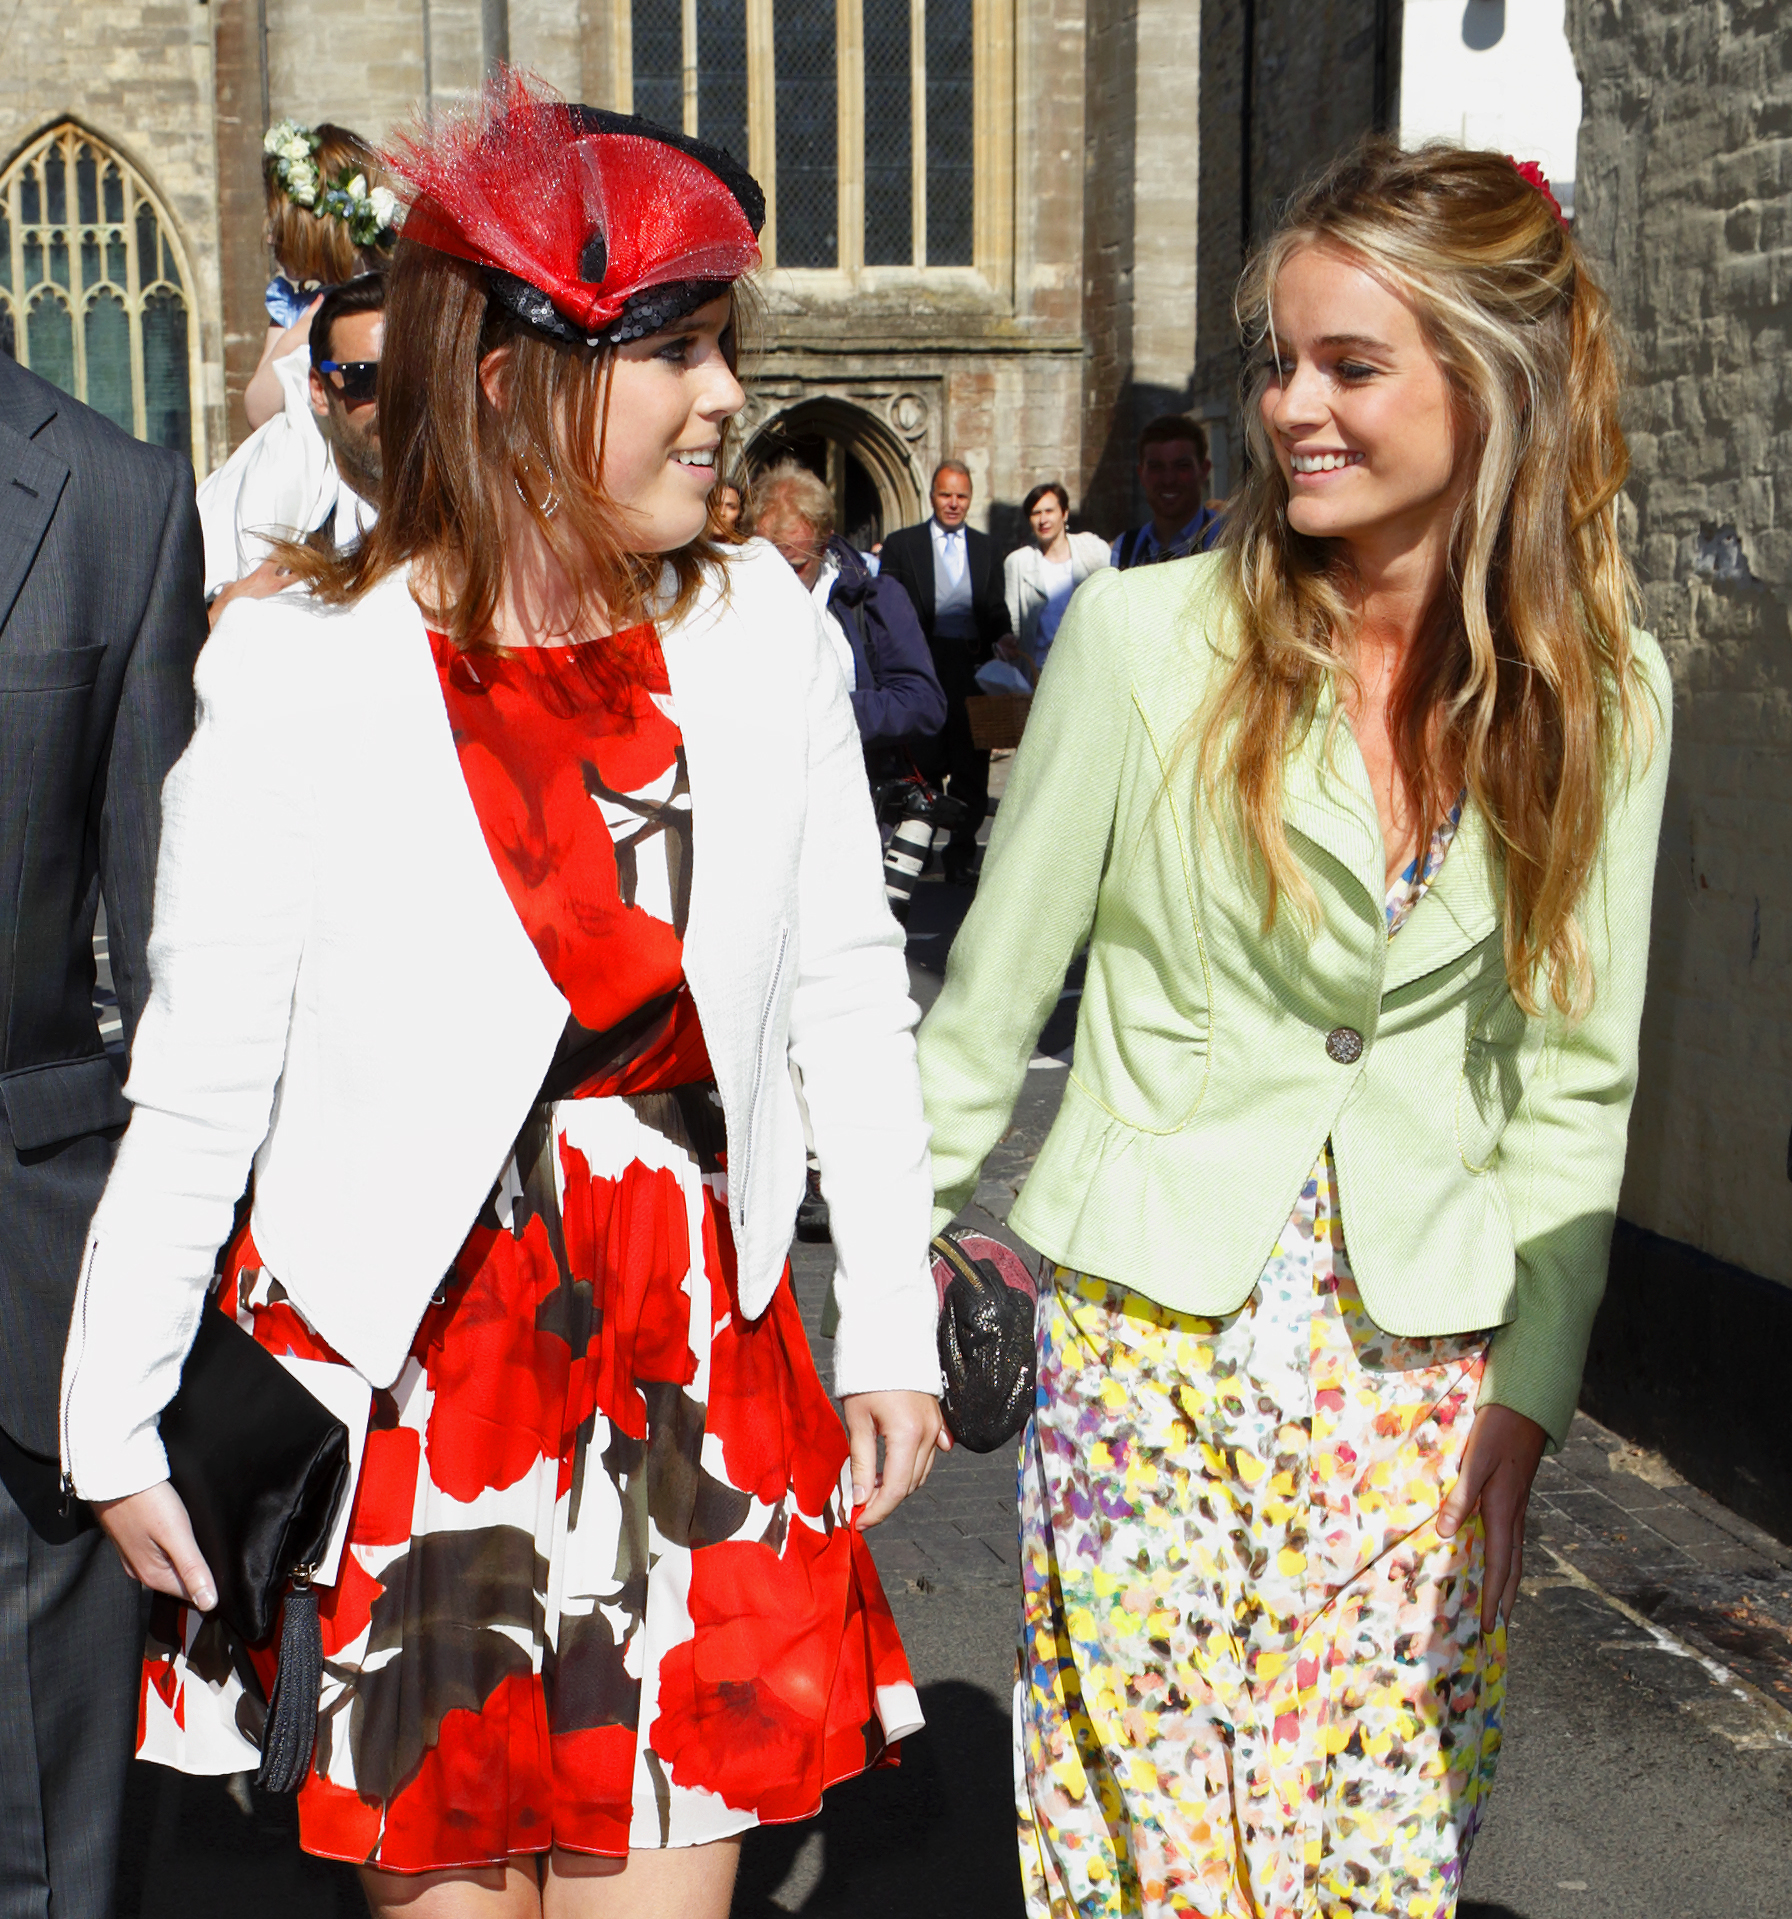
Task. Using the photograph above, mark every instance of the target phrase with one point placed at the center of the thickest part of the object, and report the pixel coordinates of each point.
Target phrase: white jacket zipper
(765, 1021)
(68, 1388)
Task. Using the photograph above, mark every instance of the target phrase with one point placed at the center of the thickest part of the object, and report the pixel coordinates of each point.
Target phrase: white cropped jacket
(342, 994)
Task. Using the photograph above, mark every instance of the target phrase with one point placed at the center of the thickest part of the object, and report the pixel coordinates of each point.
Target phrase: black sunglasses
(360, 379)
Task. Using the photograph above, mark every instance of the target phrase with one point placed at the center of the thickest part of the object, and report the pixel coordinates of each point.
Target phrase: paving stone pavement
(1621, 1518)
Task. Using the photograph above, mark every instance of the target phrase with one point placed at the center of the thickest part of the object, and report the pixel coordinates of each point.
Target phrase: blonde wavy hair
(1521, 686)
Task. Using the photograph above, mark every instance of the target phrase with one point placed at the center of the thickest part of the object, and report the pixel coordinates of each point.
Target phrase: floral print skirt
(1253, 1680)
(601, 1589)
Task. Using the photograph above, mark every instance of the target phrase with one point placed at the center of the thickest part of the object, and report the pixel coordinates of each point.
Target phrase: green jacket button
(1344, 1044)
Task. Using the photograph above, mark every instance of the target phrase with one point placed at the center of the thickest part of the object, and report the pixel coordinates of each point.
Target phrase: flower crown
(370, 214)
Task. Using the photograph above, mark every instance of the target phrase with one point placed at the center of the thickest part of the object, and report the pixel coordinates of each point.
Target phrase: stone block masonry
(1685, 201)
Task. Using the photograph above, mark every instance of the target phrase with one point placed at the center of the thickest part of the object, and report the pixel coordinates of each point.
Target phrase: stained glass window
(762, 78)
(92, 294)
(722, 74)
(951, 121)
(804, 51)
(658, 40)
(889, 135)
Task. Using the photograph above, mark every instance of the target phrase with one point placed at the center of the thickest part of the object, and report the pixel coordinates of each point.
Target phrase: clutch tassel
(292, 1708)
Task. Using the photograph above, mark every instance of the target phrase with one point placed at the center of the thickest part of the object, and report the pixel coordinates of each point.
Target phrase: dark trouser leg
(950, 757)
(71, 1639)
(970, 776)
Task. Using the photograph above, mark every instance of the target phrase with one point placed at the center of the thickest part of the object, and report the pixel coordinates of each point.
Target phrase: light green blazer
(1478, 1152)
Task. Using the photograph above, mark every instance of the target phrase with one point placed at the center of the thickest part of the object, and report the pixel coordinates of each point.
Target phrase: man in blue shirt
(953, 577)
(1174, 469)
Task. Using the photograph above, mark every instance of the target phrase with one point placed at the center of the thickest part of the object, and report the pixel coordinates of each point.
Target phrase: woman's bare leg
(496, 1892)
(682, 1882)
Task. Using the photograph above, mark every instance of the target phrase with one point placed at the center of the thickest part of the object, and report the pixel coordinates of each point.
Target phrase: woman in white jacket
(1039, 579)
(504, 875)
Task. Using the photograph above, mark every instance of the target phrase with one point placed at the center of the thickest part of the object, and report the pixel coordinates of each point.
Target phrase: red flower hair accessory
(1533, 175)
(591, 225)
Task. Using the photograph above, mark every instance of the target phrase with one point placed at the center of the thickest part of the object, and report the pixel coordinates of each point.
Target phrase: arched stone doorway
(866, 467)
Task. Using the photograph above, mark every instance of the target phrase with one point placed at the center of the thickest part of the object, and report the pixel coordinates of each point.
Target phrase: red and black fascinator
(591, 226)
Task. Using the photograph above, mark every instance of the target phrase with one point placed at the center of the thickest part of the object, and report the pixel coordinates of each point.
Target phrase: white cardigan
(1025, 587)
(342, 993)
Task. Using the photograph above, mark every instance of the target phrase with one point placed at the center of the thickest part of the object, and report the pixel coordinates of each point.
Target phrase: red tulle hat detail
(587, 210)
(1533, 175)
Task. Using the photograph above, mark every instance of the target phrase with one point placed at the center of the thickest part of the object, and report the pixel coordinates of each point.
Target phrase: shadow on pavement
(933, 1835)
(906, 1842)
(189, 1851)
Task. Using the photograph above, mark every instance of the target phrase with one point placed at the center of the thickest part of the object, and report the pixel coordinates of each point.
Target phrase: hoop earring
(546, 508)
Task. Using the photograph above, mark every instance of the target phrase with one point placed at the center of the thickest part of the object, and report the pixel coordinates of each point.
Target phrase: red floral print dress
(601, 1589)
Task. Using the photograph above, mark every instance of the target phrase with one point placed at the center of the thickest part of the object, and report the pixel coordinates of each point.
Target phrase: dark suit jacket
(907, 558)
(897, 693)
(101, 618)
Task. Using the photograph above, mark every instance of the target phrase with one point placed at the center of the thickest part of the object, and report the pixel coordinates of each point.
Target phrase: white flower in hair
(297, 150)
(301, 182)
(357, 187)
(385, 205)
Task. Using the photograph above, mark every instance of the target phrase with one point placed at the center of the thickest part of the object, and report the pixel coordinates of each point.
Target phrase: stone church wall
(1684, 197)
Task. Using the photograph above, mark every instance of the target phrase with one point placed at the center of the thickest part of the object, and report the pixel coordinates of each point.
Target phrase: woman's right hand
(155, 1540)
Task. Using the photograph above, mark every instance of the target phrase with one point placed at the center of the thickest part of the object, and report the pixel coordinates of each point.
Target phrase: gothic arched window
(94, 293)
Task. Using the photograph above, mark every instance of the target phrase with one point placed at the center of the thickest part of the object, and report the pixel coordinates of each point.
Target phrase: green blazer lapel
(1459, 910)
(1331, 805)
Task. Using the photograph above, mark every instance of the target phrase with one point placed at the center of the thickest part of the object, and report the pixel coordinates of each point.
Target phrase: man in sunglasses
(312, 472)
(345, 369)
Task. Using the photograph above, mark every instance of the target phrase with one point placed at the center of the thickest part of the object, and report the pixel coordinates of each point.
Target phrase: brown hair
(1522, 682)
(1039, 492)
(450, 461)
(317, 248)
(1170, 429)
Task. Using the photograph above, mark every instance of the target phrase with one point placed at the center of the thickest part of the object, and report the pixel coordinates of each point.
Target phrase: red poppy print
(499, 1381)
(779, 1430)
(549, 1526)
(594, 1785)
(497, 1752)
(743, 1702)
(544, 733)
(628, 1237)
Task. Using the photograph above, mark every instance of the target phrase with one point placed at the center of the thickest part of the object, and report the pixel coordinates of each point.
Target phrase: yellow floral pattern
(1253, 1681)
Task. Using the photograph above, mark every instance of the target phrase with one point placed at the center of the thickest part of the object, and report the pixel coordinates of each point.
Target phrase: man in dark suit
(101, 617)
(954, 578)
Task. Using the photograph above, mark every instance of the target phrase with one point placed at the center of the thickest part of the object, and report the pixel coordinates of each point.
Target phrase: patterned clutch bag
(987, 1304)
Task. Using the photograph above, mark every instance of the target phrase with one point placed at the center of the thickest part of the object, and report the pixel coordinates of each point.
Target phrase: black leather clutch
(261, 1466)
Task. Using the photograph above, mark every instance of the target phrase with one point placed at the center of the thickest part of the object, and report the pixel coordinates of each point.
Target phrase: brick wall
(1685, 198)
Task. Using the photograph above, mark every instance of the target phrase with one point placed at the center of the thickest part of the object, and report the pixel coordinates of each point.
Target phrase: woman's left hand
(913, 1432)
(1498, 1466)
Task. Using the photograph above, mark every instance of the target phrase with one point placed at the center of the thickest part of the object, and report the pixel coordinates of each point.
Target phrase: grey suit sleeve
(153, 725)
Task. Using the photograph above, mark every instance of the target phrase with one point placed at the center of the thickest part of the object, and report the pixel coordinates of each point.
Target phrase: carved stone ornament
(908, 414)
